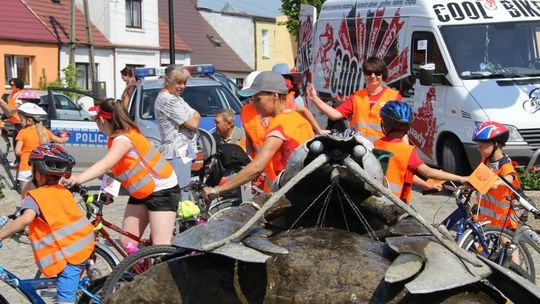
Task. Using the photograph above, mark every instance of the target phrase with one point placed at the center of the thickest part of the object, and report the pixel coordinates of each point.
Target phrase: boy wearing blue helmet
(396, 119)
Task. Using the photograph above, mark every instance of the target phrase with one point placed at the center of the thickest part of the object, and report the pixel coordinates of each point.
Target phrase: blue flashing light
(149, 72)
(204, 69)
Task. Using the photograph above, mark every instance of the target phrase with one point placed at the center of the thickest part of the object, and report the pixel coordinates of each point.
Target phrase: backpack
(229, 159)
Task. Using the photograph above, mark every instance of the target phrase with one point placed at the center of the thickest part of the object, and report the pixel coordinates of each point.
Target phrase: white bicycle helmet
(32, 110)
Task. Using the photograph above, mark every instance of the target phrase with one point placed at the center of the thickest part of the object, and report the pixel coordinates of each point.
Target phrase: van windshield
(494, 50)
(207, 100)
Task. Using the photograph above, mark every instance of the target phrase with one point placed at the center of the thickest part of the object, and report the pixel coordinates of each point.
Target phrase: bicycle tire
(5, 144)
(491, 233)
(103, 262)
(218, 209)
(128, 269)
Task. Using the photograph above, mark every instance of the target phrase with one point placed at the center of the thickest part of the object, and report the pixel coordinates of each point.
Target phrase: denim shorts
(68, 283)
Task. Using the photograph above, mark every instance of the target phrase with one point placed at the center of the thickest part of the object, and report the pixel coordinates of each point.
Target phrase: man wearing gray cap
(286, 131)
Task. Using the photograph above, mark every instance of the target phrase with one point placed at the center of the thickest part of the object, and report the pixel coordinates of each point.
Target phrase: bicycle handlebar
(525, 201)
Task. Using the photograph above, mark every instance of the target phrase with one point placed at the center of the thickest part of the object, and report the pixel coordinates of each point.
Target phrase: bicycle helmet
(28, 94)
(396, 116)
(32, 110)
(52, 159)
(491, 131)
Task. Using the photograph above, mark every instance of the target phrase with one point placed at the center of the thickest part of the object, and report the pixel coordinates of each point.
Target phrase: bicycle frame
(5, 163)
(29, 287)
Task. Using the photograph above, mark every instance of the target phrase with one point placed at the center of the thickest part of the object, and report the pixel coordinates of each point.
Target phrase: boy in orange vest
(62, 238)
(396, 118)
(491, 137)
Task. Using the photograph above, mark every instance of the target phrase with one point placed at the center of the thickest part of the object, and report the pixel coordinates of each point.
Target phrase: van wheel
(454, 158)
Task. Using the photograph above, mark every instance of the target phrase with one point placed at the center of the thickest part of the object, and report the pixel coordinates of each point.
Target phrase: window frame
(432, 44)
(86, 73)
(129, 10)
(265, 43)
(14, 69)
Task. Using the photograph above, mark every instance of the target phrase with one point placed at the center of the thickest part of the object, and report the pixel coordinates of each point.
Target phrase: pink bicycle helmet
(28, 94)
(491, 131)
(52, 159)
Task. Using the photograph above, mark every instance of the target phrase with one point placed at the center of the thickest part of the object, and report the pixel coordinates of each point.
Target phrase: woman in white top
(177, 123)
(143, 172)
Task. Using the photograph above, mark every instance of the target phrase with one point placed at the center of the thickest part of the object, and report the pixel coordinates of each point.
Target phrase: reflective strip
(395, 188)
(359, 125)
(150, 155)
(139, 184)
(493, 200)
(369, 125)
(488, 212)
(374, 126)
(372, 138)
(70, 250)
(130, 173)
(60, 234)
(160, 165)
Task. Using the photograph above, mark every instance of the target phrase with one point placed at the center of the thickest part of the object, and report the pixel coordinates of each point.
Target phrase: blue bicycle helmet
(396, 116)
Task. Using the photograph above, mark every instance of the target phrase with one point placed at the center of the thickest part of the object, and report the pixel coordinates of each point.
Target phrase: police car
(204, 94)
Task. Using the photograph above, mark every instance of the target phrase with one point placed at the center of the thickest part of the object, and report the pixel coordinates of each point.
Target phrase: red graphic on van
(424, 125)
(326, 40)
(490, 4)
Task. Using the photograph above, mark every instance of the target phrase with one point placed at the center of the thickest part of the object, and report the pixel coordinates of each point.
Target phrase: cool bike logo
(532, 105)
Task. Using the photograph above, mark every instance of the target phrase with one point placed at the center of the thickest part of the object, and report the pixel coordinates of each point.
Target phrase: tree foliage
(291, 9)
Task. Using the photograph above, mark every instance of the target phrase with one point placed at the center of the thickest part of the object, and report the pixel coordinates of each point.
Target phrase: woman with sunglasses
(286, 131)
(364, 105)
(142, 170)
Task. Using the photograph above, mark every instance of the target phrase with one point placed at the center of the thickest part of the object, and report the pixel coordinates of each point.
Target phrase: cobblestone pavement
(16, 255)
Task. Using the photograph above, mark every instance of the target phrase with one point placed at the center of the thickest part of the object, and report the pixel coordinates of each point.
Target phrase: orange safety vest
(255, 129)
(297, 130)
(495, 207)
(399, 178)
(134, 172)
(366, 118)
(61, 234)
(14, 119)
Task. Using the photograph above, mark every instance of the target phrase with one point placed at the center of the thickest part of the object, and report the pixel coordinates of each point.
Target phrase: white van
(457, 63)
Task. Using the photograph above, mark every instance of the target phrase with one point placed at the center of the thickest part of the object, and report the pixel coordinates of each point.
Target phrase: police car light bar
(204, 69)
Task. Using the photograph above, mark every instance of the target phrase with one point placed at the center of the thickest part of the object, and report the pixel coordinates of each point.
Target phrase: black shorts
(162, 200)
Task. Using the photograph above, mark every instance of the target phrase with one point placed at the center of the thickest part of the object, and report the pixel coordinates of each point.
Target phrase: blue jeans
(68, 283)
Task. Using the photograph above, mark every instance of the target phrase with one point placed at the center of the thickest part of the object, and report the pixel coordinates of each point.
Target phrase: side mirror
(426, 74)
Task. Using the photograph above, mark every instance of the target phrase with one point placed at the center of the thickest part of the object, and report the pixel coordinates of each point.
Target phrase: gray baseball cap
(266, 82)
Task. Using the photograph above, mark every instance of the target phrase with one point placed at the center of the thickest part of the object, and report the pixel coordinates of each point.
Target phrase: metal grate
(532, 137)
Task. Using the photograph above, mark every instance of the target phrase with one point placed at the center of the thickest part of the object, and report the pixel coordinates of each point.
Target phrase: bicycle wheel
(522, 263)
(221, 208)
(3, 300)
(134, 265)
(103, 264)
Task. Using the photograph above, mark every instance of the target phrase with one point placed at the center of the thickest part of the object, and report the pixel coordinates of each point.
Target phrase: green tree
(291, 9)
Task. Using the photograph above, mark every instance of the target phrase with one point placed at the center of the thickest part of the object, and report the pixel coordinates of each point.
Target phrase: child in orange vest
(491, 138)
(396, 118)
(32, 134)
(62, 238)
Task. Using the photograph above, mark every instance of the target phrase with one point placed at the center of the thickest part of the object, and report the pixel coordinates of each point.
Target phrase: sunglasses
(369, 73)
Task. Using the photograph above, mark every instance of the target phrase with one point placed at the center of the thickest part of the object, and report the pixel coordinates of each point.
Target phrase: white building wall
(179, 58)
(130, 56)
(104, 58)
(237, 31)
(110, 18)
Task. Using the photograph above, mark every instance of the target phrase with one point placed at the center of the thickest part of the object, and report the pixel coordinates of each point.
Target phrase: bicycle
(6, 176)
(506, 242)
(29, 287)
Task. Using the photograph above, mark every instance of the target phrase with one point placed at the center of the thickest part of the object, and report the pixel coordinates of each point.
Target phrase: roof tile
(56, 17)
(179, 44)
(28, 26)
(194, 30)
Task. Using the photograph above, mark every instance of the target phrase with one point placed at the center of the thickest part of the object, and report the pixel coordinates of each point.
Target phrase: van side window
(426, 50)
